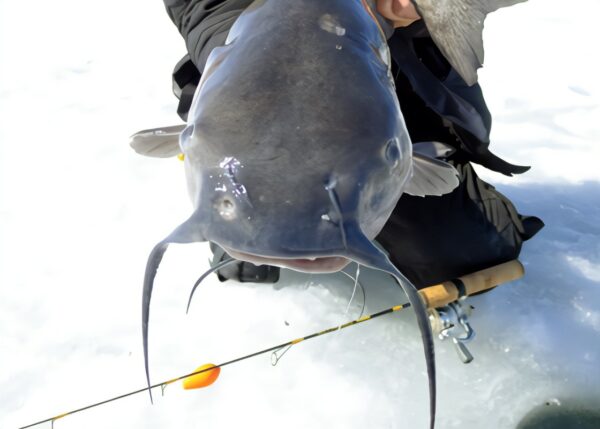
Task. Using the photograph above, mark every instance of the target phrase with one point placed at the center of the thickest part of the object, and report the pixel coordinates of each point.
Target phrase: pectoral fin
(157, 142)
(431, 177)
(456, 27)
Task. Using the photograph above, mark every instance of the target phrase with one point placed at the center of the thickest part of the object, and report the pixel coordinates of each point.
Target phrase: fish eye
(392, 152)
(226, 208)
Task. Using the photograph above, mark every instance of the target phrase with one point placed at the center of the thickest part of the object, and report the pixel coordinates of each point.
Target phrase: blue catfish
(296, 151)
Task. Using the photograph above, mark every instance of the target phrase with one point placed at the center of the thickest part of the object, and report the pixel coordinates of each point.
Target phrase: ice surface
(80, 211)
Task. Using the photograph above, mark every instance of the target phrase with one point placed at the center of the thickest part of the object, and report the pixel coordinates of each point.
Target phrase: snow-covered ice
(79, 213)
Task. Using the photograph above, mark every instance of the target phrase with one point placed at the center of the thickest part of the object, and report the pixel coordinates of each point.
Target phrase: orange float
(205, 378)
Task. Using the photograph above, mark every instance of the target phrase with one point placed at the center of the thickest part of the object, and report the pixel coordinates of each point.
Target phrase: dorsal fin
(456, 27)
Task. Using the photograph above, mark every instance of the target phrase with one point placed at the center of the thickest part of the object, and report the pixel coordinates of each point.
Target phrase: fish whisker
(335, 201)
(206, 274)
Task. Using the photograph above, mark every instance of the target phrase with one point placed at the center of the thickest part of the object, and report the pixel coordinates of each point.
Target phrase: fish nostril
(226, 209)
(392, 152)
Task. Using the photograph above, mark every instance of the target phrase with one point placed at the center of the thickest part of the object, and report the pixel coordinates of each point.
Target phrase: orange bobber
(204, 379)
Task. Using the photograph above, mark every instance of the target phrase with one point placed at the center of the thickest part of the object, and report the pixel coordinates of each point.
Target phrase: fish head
(271, 177)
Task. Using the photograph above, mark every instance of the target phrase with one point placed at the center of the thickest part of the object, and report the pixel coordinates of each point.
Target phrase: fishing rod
(208, 368)
(436, 298)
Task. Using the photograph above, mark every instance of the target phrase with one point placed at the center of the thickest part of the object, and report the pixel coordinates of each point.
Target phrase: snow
(79, 213)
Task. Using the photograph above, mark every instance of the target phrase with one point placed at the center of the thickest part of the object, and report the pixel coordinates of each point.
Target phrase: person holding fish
(325, 132)
(430, 239)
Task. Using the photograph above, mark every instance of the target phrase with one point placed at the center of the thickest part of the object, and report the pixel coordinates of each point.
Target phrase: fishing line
(230, 362)
(354, 291)
(276, 357)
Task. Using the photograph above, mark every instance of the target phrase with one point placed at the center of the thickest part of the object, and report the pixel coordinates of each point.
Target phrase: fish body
(295, 150)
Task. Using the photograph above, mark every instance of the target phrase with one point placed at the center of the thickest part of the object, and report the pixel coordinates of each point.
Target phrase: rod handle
(442, 294)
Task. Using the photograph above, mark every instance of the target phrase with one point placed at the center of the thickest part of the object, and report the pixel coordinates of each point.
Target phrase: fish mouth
(318, 265)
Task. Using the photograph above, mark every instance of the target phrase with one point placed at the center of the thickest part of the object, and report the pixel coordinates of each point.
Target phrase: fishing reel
(451, 322)
(448, 311)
